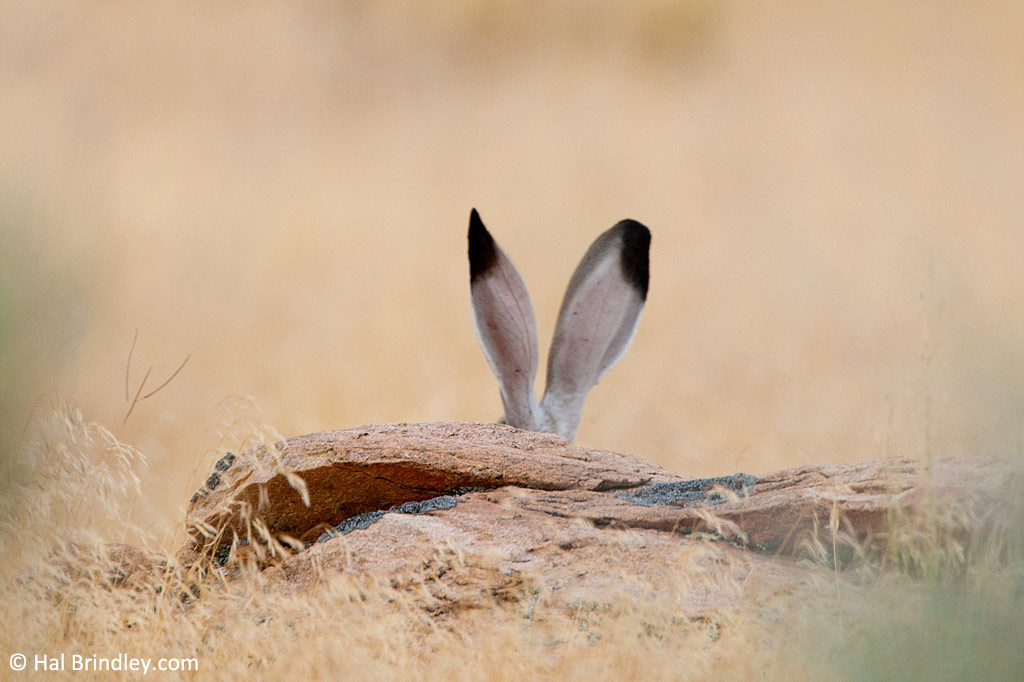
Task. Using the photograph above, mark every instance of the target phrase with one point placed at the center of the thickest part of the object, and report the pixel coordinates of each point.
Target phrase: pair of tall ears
(596, 323)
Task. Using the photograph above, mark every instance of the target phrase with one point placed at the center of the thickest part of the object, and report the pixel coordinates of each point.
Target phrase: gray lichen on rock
(693, 493)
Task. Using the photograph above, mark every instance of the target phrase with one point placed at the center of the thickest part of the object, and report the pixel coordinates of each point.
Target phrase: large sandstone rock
(467, 515)
(297, 491)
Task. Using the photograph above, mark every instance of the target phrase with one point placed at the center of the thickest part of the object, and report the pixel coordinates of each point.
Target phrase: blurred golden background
(280, 192)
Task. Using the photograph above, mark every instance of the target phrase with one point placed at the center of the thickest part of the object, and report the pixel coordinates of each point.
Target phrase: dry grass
(943, 601)
(70, 591)
(281, 194)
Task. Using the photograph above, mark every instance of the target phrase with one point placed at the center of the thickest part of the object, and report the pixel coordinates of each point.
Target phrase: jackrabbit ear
(597, 320)
(505, 324)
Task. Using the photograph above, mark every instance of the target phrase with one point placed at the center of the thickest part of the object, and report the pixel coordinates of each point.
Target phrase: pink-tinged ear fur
(597, 321)
(505, 325)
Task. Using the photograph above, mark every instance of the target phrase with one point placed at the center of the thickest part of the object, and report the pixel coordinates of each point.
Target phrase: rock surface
(473, 513)
(344, 473)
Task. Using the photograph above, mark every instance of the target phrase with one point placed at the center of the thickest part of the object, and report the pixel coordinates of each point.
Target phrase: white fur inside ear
(597, 321)
(505, 325)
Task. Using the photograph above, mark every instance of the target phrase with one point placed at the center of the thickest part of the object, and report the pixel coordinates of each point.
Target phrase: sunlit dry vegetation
(942, 601)
(279, 195)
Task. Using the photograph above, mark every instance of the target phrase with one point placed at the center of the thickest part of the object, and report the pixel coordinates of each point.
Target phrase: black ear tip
(635, 230)
(476, 227)
(636, 247)
(482, 249)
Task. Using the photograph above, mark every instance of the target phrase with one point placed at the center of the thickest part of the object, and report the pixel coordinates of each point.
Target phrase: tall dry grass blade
(135, 401)
(128, 366)
(138, 393)
(170, 378)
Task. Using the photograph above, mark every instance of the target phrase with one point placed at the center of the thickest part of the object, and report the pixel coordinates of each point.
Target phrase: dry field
(279, 193)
